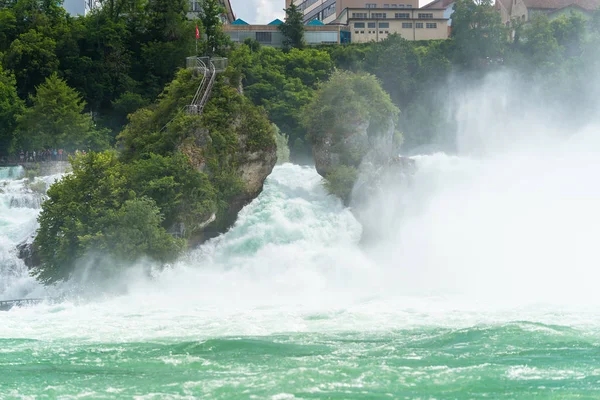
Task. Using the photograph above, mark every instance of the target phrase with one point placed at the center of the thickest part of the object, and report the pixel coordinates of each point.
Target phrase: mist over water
(485, 268)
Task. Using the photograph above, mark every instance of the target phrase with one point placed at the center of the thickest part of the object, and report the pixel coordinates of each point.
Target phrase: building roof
(438, 4)
(229, 10)
(552, 4)
(315, 22)
(239, 21)
(276, 22)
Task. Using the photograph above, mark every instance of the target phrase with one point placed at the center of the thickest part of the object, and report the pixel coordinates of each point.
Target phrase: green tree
(539, 44)
(570, 33)
(293, 28)
(11, 106)
(282, 83)
(395, 62)
(93, 211)
(478, 33)
(345, 101)
(216, 41)
(56, 119)
(32, 56)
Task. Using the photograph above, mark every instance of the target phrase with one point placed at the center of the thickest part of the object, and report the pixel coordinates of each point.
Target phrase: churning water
(482, 283)
(471, 294)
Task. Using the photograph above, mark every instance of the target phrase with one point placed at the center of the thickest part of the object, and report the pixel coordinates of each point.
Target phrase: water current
(482, 285)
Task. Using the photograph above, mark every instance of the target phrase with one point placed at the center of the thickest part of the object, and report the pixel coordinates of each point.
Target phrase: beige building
(524, 10)
(328, 11)
(368, 24)
(269, 35)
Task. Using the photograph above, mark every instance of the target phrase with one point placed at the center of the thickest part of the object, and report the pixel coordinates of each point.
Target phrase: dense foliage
(346, 101)
(282, 83)
(293, 28)
(114, 78)
(179, 169)
(117, 58)
(56, 119)
(103, 208)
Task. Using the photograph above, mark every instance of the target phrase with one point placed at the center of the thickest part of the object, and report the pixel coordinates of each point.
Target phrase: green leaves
(346, 101)
(56, 120)
(120, 210)
(32, 56)
(293, 28)
(281, 82)
(478, 32)
(11, 107)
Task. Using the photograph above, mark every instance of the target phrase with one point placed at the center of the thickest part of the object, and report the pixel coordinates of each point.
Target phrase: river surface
(482, 285)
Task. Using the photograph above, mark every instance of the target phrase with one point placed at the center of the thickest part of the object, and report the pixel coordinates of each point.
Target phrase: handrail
(208, 88)
(200, 65)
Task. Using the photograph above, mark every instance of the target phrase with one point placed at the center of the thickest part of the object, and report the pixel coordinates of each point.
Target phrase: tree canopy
(293, 28)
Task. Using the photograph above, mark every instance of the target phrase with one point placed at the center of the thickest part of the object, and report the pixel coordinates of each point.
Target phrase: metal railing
(6, 305)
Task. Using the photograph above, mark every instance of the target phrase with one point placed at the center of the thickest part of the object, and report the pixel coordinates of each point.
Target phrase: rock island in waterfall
(354, 201)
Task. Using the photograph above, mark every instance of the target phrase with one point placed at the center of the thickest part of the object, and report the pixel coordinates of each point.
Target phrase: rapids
(287, 304)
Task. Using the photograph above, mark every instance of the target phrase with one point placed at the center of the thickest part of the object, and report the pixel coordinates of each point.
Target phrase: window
(371, 5)
(394, 5)
(359, 15)
(359, 25)
(431, 25)
(402, 15)
(418, 25)
(384, 25)
(264, 37)
(328, 11)
(371, 25)
(425, 16)
(379, 15)
(407, 25)
(386, 6)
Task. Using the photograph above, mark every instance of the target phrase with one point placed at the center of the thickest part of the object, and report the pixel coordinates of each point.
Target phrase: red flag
(197, 33)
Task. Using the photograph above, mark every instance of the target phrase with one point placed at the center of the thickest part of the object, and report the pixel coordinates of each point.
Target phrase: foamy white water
(19, 207)
(462, 250)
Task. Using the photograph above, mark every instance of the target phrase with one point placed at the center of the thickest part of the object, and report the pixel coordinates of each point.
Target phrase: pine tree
(293, 28)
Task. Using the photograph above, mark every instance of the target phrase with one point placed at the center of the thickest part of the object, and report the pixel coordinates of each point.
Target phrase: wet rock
(27, 251)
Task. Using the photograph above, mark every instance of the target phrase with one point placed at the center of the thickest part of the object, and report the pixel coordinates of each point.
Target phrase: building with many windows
(328, 11)
(372, 24)
(375, 20)
(315, 33)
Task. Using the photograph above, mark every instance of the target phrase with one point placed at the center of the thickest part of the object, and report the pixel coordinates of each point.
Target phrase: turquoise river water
(482, 284)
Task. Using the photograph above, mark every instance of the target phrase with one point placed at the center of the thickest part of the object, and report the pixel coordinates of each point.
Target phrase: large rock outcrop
(253, 166)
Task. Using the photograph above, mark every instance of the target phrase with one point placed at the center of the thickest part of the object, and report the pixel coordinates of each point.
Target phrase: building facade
(269, 35)
(370, 24)
(328, 11)
(447, 5)
(524, 10)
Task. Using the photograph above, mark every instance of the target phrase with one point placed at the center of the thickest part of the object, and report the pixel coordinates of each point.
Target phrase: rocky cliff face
(374, 157)
(251, 164)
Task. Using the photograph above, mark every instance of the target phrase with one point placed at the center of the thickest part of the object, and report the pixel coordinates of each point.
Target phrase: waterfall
(20, 203)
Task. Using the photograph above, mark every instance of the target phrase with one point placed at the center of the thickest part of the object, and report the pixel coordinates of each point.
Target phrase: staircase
(209, 68)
